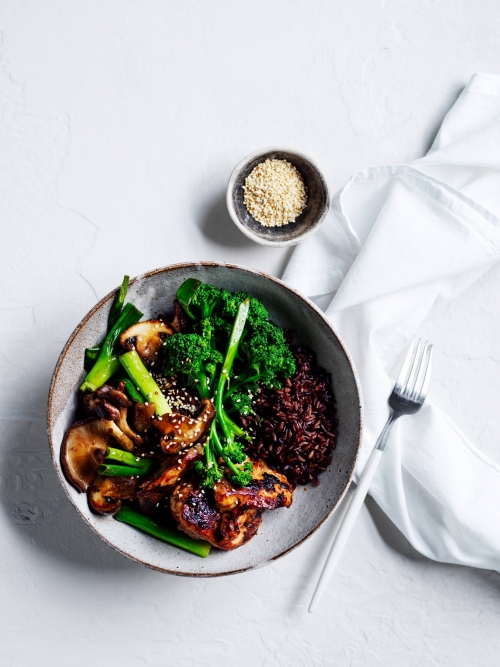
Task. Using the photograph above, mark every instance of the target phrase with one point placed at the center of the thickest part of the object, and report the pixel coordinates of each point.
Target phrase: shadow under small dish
(318, 199)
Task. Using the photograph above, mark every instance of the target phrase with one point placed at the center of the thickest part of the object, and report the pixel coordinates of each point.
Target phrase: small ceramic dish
(318, 199)
(282, 530)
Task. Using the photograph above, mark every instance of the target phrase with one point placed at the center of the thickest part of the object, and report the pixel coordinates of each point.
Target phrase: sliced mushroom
(125, 428)
(143, 416)
(152, 491)
(106, 493)
(179, 431)
(114, 396)
(111, 405)
(118, 435)
(99, 407)
(147, 338)
(180, 321)
(106, 401)
(83, 450)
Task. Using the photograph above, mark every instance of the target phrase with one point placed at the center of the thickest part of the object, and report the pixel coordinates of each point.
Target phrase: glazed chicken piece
(198, 519)
(194, 515)
(179, 431)
(269, 489)
(152, 491)
(238, 527)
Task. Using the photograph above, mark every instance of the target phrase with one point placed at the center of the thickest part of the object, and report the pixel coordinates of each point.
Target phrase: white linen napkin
(404, 238)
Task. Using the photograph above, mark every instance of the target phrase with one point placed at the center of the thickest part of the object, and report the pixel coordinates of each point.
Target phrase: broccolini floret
(193, 356)
(257, 312)
(257, 352)
(206, 298)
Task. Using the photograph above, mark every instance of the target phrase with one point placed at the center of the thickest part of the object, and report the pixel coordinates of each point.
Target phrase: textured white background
(119, 125)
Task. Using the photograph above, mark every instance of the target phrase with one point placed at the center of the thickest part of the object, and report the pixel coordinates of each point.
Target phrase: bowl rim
(98, 306)
(248, 232)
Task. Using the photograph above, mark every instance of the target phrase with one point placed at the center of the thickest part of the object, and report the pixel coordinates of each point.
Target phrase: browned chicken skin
(179, 431)
(194, 515)
(269, 489)
(198, 519)
(238, 527)
(152, 491)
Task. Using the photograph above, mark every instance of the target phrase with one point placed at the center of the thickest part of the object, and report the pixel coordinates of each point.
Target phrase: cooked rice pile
(296, 433)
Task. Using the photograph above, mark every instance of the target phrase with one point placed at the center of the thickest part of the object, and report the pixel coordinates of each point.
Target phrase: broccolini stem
(240, 383)
(105, 365)
(178, 539)
(91, 354)
(185, 295)
(202, 386)
(132, 391)
(112, 470)
(214, 437)
(209, 454)
(234, 427)
(118, 301)
(232, 349)
(144, 382)
(127, 458)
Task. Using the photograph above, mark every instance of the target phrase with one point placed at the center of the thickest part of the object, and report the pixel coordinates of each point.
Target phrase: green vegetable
(185, 295)
(257, 353)
(193, 356)
(118, 301)
(112, 470)
(268, 359)
(107, 362)
(132, 391)
(128, 459)
(91, 354)
(174, 537)
(144, 381)
(231, 451)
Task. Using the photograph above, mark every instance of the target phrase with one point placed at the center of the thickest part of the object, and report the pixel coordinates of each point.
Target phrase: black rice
(295, 426)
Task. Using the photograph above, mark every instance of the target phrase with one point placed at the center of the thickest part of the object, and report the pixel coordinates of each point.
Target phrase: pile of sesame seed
(275, 193)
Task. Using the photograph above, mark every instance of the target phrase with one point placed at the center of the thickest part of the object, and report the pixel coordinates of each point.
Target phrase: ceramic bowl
(282, 529)
(318, 199)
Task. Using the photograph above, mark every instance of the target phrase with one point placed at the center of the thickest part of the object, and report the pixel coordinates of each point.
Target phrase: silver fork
(407, 398)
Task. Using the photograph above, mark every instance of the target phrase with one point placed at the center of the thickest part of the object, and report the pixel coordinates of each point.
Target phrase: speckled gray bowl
(318, 199)
(282, 529)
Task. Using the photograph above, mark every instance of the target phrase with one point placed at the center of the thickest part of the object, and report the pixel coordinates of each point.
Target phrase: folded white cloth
(402, 239)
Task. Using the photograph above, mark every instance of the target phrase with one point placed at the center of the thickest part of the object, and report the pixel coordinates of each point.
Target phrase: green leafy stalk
(113, 470)
(185, 295)
(232, 349)
(194, 357)
(241, 476)
(91, 355)
(174, 537)
(210, 472)
(128, 459)
(118, 301)
(106, 364)
(144, 382)
(132, 391)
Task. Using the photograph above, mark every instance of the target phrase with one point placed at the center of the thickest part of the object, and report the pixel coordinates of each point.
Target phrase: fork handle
(351, 515)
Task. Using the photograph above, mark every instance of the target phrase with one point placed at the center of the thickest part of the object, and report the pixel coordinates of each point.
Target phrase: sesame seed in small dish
(277, 197)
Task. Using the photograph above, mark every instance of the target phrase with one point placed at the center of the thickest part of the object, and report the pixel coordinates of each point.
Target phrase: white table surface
(120, 122)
